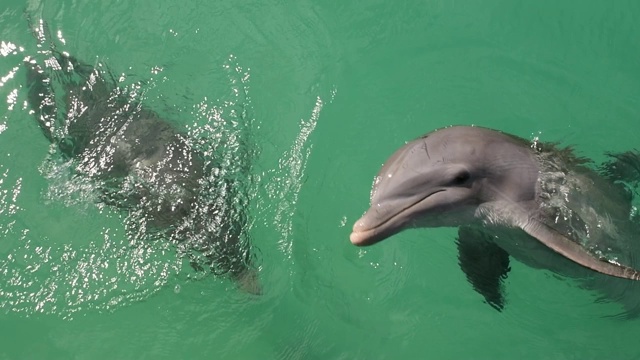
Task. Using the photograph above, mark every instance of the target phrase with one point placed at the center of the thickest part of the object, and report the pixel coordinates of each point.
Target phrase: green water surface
(331, 89)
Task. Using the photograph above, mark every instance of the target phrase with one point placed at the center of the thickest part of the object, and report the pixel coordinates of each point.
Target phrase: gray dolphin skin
(139, 161)
(536, 202)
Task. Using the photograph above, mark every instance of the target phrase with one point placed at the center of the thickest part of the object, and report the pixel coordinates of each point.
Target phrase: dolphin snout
(365, 232)
(359, 232)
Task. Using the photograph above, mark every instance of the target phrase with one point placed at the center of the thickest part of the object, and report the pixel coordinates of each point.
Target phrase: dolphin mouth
(368, 230)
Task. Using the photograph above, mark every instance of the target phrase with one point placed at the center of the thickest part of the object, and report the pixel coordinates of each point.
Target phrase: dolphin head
(442, 178)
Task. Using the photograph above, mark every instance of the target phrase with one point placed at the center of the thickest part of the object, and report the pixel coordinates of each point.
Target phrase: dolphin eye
(461, 178)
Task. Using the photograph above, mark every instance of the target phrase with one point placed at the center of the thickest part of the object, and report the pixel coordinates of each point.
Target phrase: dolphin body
(536, 202)
(143, 163)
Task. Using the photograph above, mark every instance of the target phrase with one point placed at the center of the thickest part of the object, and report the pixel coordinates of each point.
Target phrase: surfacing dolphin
(536, 202)
(140, 162)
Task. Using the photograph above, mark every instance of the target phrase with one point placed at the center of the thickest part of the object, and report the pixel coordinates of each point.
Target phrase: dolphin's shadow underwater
(538, 203)
(141, 163)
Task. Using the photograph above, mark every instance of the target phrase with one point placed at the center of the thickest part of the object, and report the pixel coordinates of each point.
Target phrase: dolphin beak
(368, 230)
(361, 236)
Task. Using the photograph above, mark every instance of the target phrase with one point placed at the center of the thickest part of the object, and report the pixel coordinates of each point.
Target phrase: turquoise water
(331, 89)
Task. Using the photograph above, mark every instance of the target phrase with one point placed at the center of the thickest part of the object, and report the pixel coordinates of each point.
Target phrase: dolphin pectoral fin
(69, 63)
(484, 263)
(575, 252)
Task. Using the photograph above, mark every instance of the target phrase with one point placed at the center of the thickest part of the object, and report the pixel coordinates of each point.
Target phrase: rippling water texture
(321, 93)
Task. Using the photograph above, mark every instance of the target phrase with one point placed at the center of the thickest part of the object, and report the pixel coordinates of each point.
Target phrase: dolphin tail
(248, 281)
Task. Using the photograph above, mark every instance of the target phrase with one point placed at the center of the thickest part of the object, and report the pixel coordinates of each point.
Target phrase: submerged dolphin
(536, 202)
(142, 163)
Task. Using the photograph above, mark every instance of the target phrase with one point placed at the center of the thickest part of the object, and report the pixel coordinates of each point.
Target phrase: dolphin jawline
(364, 234)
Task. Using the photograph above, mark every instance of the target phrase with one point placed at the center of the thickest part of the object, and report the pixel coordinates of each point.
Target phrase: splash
(285, 182)
(9, 191)
(66, 280)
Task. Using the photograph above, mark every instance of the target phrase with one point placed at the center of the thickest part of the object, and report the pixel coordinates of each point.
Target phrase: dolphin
(141, 163)
(533, 201)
